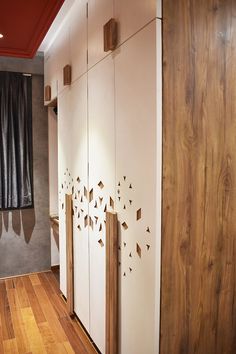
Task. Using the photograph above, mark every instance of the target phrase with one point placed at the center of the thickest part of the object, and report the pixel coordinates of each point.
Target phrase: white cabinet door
(136, 183)
(61, 54)
(159, 8)
(56, 58)
(99, 12)
(78, 38)
(79, 155)
(101, 186)
(64, 175)
(50, 73)
(132, 15)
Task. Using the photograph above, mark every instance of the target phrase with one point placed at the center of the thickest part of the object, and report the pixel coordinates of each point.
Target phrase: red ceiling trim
(41, 28)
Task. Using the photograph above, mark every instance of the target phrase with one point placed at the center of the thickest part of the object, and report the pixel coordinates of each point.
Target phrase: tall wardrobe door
(101, 186)
(79, 153)
(133, 15)
(51, 72)
(78, 38)
(159, 8)
(99, 13)
(135, 95)
(64, 175)
(61, 55)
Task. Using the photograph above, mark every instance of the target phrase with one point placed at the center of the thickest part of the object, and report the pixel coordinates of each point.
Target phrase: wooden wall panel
(69, 255)
(64, 178)
(198, 304)
(112, 319)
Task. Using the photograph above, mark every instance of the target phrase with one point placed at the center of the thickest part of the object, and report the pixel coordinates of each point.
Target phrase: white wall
(109, 126)
(53, 179)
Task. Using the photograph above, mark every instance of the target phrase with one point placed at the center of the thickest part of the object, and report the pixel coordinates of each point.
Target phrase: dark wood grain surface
(198, 304)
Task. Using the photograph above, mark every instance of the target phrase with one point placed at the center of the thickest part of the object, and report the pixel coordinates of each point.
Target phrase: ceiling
(56, 25)
(24, 24)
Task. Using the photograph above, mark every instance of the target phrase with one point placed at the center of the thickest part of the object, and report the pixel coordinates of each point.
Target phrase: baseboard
(24, 275)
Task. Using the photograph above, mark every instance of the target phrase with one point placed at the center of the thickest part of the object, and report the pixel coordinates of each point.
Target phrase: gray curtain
(16, 172)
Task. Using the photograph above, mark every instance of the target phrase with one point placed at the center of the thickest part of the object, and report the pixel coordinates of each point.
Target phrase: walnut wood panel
(198, 307)
(69, 255)
(111, 283)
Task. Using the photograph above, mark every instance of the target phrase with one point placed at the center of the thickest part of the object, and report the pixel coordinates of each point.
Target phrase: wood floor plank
(33, 333)
(9, 283)
(34, 279)
(68, 347)
(1, 337)
(74, 339)
(52, 293)
(7, 327)
(10, 346)
(46, 284)
(50, 314)
(18, 324)
(34, 303)
(49, 339)
(33, 318)
(53, 281)
(22, 294)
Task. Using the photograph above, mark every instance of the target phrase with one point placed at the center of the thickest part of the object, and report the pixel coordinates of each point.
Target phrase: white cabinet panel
(132, 15)
(79, 154)
(99, 13)
(78, 38)
(159, 8)
(50, 73)
(64, 174)
(101, 186)
(62, 54)
(55, 59)
(136, 176)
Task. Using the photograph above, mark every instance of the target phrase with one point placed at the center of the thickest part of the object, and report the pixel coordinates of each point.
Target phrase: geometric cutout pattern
(91, 195)
(112, 204)
(101, 185)
(125, 226)
(101, 242)
(138, 250)
(139, 214)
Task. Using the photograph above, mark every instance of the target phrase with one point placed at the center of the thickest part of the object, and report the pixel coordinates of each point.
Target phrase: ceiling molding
(24, 25)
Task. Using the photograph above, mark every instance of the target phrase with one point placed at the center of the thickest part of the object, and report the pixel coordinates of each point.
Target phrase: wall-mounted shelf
(52, 103)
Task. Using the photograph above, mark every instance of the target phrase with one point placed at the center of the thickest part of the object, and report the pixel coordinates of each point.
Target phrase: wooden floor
(33, 318)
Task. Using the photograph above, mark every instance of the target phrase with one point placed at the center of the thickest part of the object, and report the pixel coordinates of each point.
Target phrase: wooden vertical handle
(110, 33)
(69, 255)
(111, 283)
